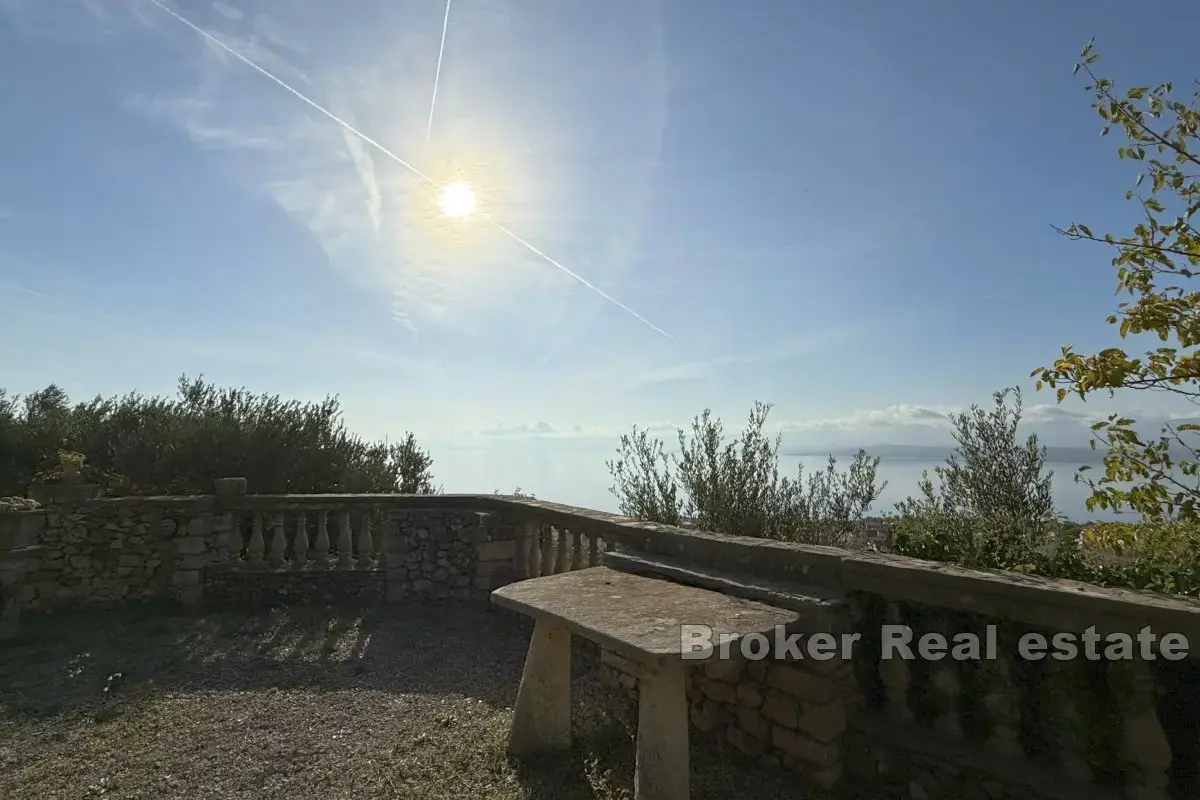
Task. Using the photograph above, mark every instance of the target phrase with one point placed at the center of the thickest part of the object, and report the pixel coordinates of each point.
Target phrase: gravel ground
(399, 703)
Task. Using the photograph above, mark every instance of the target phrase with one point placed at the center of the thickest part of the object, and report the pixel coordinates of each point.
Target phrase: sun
(457, 201)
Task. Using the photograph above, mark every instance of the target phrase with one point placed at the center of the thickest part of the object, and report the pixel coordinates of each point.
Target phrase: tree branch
(1118, 243)
(1153, 134)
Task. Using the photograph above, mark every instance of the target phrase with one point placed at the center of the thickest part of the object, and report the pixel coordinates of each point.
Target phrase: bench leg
(542, 716)
(663, 766)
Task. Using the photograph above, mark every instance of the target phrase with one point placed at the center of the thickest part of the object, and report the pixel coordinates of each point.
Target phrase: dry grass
(407, 703)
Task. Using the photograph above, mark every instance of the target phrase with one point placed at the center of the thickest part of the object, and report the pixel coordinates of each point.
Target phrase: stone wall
(244, 551)
(447, 554)
(104, 552)
(870, 727)
(1002, 727)
(781, 715)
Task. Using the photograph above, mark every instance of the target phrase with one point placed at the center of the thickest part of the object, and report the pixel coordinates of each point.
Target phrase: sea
(573, 472)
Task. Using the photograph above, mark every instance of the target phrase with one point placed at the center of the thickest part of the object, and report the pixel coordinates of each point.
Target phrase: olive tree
(991, 505)
(736, 487)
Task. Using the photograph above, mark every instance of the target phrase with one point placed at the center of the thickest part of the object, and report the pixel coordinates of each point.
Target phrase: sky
(843, 209)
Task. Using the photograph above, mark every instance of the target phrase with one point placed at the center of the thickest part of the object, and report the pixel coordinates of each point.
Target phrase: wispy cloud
(543, 430)
(364, 167)
(533, 429)
(899, 415)
(227, 11)
(236, 52)
(240, 102)
(9, 287)
(905, 415)
(786, 350)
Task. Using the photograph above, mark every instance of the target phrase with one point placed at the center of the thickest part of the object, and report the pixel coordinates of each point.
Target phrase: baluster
(947, 688)
(344, 544)
(562, 558)
(366, 543)
(1144, 749)
(300, 542)
(547, 561)
(894, 674)
(1070, 733)
(1001, 702)
(576, 550)
(321, 548)
(256, 547)
(383, 541)
(234, 543)
(278, 540)
(524, 555)
(593, 550)
(532, 535)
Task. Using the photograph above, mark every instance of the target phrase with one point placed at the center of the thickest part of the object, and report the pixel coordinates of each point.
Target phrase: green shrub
(1156, 556)
(736, 487)
(992, 505)
(155, 445)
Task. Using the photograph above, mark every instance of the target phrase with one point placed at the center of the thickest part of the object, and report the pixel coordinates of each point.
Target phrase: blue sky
(841, 208)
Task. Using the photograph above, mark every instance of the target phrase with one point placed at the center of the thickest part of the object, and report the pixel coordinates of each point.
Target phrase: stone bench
(641, 619)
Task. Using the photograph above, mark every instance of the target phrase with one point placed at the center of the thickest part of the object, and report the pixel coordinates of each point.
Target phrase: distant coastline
(1076, 456)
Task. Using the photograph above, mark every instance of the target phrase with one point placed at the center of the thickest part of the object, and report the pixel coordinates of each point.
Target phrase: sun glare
(457, 200)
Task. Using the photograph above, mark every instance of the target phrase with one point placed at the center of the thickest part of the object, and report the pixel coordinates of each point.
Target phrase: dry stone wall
(194, 549)
(112, 551)
(447, 554)
(789, 715)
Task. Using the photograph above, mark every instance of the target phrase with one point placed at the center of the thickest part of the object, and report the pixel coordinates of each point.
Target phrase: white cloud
(904, 415)
(533, 429)
(899, 415)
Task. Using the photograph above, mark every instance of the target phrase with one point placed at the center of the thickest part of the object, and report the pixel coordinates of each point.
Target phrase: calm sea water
(574, 473)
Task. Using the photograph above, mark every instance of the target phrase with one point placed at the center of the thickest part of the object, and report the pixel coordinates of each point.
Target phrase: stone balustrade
(986, 728)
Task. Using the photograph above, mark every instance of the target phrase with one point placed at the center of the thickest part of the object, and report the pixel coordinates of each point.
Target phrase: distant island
(939, 453)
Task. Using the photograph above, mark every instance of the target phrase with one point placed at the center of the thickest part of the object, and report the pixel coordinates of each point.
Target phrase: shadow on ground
(405, 701)
(444, 649)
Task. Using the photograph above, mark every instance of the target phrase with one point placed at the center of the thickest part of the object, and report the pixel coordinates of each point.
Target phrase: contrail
(437, 73)
(317, 106)
(579, 278)
(268, 74)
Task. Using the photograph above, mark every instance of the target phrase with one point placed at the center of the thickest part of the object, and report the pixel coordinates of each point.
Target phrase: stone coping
(1036, 601)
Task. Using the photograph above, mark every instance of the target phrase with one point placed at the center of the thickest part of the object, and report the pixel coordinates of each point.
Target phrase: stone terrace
(337, 646)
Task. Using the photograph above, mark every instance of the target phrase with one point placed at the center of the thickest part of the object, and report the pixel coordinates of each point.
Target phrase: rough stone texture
(886, 759)
(104, 552)
(137, 549)
(637, 617)
(446, 554)
(283, 587)
(727, 701)
(803, 717)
